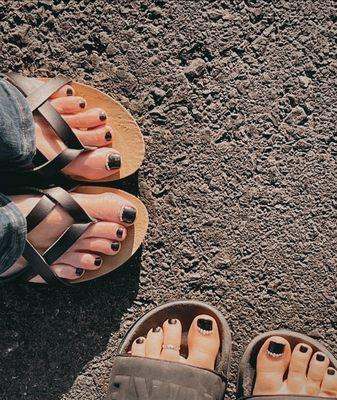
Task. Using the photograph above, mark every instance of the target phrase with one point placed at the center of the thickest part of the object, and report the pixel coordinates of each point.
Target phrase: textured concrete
(237, 102)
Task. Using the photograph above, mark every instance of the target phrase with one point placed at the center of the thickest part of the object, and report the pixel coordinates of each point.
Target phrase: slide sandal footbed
(163, 379)
(247, 367)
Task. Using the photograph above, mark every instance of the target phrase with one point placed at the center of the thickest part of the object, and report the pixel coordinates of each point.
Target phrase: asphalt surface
(237, 103)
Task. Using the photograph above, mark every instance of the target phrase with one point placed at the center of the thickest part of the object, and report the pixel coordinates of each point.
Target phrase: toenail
(102, 116)
(108, 136)
(128, 214)
(331, 371)
(320, 357)
(79, 271)
(98, 261)
(205, 326)
(172, 321)
(120, 232)
(303, 349)
(275, 349)
(115, 246)
(70, 92)
(140, 340)
(156, 330)
(82, 104)
(113, 161)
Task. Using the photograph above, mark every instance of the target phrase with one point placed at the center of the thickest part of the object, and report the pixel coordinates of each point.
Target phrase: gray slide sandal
(247, 367)
(140, 378)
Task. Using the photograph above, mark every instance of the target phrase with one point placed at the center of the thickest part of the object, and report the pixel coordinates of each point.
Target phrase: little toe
(87, 119)
(82, 260)
(69, 105)
(272, 363)
(329, 384)
(138, 347)
(95, 164)
(154, 342)
(64, 91)
(63, 271)
(98, 245)
(99, 136)
(203, 342)
(172, 340)
(317, 369)
(297, 374)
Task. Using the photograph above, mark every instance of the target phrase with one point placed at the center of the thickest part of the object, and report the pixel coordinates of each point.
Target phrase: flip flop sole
(134, 239)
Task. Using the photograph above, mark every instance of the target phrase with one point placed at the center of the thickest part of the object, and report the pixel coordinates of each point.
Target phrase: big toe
(203, 342)
(95, 164)
(272, 363)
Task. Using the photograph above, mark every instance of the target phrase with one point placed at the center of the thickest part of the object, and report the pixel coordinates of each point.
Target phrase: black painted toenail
(98, 261)
(115, 246)
(205, 324)
(172, 321)
(82, 104)
(108, 136)
(276, 348)
(79, 271)
(113, 161)
(156, 330)
(320, 357)
(331, 371)
(102, 116)
(303, 349)
(128, 214)
(70, 92)
(140, 340)
(120, 232)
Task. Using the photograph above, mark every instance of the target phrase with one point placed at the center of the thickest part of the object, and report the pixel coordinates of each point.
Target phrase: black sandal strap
(39, 213)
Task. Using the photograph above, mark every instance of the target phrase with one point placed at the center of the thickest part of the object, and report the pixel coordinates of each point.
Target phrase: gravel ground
(237, 103)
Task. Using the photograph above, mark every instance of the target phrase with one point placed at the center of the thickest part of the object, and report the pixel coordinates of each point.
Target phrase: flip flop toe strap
(40, 264)
(139, 378)
(37, 99)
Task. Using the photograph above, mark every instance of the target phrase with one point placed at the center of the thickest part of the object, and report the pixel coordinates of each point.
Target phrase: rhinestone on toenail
(204, 332)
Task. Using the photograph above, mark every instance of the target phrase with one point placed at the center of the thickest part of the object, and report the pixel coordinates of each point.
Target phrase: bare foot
(308, 374)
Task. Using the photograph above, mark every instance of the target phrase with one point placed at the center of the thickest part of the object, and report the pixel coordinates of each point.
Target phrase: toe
(203, 342)
(329, 384)
(297, 375)
(82, 260)
(272, 363)
(99, 136)
(172, 340)
(317, 369)
(69, 105)
(138, 347)
(107, 230)
(63, 271)
(154, 342)
(95, 164)
(108, 207)
(87, 119)
(98, 245)
(64, 91)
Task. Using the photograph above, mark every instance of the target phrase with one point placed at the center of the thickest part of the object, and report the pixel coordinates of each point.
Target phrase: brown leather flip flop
(39, 264)
(127, 138)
